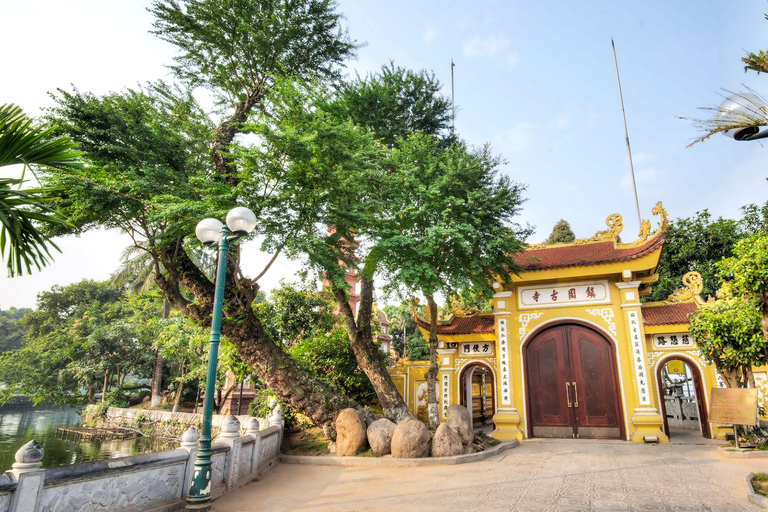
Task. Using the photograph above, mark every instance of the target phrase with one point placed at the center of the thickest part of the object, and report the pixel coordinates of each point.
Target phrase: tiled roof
(665, 314)
(479, 324)
(559, 256)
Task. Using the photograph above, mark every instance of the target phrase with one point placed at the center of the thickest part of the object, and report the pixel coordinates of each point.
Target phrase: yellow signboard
(737, 406)
(676, 367)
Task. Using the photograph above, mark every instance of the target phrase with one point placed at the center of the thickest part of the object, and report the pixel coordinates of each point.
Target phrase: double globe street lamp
(240, 222)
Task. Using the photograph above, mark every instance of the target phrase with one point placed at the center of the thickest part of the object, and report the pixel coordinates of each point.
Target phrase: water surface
(22, 423)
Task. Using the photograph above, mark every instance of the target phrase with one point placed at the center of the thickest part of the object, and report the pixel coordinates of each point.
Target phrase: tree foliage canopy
(561, 232)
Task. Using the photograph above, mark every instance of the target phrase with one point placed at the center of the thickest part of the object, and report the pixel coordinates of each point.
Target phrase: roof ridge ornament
(615, 224)
(425, 316)
(693, 285)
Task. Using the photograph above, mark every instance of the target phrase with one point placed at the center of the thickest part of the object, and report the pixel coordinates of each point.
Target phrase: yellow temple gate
(570, 351)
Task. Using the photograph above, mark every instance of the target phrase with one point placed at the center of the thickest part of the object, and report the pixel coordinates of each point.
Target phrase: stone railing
(151, 482)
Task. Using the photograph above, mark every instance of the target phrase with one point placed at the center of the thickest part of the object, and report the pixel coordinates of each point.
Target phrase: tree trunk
(157, 380)
(431, 375)
(764, 319)
(177, 398)
(367, 353)
(105, 386)
(90, 392)
(297, 387)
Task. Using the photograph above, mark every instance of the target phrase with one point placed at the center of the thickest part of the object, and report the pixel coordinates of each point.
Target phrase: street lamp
(743, 107)
(240, 222)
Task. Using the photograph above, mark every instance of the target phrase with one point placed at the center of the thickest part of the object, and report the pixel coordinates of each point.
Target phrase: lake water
(22, 423)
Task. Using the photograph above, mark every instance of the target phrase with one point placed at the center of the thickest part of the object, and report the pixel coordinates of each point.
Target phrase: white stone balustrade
(148, 482)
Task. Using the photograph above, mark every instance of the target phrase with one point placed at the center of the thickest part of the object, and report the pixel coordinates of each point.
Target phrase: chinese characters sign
(638, 357)
(506, 392)
(563, 294)
(672, 341)
(477, 348)
(446, 380)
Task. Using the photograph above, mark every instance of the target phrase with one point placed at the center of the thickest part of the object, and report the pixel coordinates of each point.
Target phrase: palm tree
(22, 245)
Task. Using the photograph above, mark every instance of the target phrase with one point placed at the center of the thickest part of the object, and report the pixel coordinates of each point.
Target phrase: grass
(760, 483)
(305, 442)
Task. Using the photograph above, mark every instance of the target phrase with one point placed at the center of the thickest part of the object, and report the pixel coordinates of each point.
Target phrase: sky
(535, 80)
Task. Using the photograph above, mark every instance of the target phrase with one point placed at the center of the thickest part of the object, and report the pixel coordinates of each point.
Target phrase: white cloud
(485, 45)
(513, 60)
(515, 140)
(430, 35)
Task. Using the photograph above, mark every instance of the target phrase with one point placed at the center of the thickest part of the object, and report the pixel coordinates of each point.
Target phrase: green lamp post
(240, 222)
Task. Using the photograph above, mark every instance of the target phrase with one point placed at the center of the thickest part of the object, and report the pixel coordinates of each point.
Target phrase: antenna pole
(626, 135)
(453, 104)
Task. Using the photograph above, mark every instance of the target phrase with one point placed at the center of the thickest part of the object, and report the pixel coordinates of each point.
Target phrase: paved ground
(556, 475)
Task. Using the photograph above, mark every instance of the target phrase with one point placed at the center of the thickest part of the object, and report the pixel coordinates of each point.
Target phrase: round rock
(380, 436)
(350, 433)
(457, 417)
(410, 440)
(446, 442)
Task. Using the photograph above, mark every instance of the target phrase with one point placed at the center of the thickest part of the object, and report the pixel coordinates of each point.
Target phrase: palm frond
(21, 142)
(747, 110)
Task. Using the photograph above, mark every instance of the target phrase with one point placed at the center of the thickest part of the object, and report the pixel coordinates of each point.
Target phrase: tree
(22, 245)
(732, 333)
(11, 331)
(151, 146)
(747, 274)
(728, 336)
(562, 232)
(694, 244)
(449, 226)
(406, 337)
(82, 336)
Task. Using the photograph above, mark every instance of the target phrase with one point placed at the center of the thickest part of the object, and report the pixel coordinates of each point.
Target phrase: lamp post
(747, 107)
(240, 221)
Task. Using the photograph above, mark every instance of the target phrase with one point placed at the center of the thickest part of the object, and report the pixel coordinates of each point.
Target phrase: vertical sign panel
(638, 356)
(446, 400)
(506, 394)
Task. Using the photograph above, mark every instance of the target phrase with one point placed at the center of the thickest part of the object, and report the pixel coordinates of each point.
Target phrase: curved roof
(668, 313)
(478, 324)
(573, 255)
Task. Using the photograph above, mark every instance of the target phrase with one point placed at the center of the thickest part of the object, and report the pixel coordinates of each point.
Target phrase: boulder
(446, 442)
(380, 436)
(350, 433)
(457, 417)
(410, 440)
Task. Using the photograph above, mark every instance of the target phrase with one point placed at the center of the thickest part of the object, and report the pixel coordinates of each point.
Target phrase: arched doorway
(572, 384)
(682, 398)
(477, 393)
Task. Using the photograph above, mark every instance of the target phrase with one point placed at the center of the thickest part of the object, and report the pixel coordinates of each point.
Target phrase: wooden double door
(572, 384)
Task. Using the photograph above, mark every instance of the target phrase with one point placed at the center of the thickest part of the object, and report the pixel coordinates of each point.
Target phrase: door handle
(568, 393)
(575, 395)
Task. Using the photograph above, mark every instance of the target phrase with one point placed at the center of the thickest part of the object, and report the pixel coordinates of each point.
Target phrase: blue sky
(536, 80)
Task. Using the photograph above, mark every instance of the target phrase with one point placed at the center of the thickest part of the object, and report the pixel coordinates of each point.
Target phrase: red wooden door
(572, 384)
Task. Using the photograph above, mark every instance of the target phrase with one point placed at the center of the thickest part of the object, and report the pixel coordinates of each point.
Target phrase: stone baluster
(253, 429)
(277, 419)
(29, 476)
(189, 441)
(230, 434)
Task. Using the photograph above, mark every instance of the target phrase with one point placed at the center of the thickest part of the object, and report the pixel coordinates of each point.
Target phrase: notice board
(737, 406)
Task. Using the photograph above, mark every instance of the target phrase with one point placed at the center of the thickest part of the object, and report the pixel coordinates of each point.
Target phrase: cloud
(430, 35)
(485, 45)
(515, 140)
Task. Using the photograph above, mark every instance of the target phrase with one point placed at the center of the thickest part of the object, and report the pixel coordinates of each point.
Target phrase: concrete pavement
(552, 475)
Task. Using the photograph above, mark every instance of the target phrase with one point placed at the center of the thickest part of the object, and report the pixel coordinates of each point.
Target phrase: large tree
(449, 227)
(151, 147)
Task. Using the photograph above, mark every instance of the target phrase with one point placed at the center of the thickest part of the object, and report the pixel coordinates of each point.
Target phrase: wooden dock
(96, 433)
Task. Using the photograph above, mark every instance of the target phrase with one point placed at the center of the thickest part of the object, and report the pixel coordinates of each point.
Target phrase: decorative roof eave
(673, 312)
(601, 250)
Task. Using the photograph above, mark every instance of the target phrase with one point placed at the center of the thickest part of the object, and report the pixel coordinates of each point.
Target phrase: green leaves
(22, 142)
(238, 49)
(22, 245)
